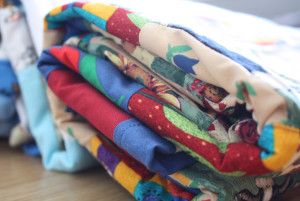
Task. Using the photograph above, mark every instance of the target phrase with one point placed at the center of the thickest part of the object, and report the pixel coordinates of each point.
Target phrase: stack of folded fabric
(171, 113)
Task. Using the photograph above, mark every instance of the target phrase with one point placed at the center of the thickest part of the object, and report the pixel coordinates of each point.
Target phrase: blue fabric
(266, 141)
(117, 86)
(6, 126)
(7, 108)
(31, 149)
(8, 115)
(74, 26)
(46, 61)
(248, 64)
(72, 157)
(91, 18)
(156, 153)
(7, 77)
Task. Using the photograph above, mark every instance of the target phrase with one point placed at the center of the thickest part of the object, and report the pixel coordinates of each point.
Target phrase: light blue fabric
(72, 157)
(266, 141)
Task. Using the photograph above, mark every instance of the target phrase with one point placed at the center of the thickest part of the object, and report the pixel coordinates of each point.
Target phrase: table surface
(23, 178)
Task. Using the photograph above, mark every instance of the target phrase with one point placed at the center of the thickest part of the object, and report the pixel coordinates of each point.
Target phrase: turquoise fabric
(72, 156)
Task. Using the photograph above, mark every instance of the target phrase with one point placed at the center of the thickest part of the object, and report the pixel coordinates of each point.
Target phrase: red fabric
(68, 56)
(87, 101)
(121, 26)
(178, 192)
(64, 7)
(69, 87)
(79, 4)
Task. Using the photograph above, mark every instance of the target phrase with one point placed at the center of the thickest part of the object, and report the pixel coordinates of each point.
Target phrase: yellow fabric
(286, 143)
(55, 11)
(181, 179)
(95, 143)
(126, 177)
(100, 10)
(159, 180)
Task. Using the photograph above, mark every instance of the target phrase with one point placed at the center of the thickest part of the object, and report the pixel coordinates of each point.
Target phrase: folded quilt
(177, 103)
(104, 47)
(143, 104)
(197, 179)
(127, 132)
(233, 76)
(132, 175)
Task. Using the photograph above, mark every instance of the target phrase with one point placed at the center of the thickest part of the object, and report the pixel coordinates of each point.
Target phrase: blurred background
(282, 11)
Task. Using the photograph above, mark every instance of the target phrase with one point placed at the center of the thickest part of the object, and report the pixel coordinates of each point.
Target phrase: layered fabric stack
(177, 111)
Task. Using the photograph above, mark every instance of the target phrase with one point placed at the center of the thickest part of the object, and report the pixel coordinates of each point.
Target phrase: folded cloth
(82, 98)
(123, 45)
(131, 174)
(104, 47)
(251, 83)
(127, 132)
(57, 152)
(141, 183)
(145, 105)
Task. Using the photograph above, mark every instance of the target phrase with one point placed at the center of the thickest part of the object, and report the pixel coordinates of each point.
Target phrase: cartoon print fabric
(264, 155)
(202, 103)
(69, 87)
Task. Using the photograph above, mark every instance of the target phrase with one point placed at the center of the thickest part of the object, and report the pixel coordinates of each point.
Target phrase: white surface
(36, 10)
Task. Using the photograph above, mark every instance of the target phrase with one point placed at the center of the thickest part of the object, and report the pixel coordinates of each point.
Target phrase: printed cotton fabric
(185, 94)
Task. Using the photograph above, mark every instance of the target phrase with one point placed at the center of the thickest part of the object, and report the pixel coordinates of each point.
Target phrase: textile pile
(187, 109)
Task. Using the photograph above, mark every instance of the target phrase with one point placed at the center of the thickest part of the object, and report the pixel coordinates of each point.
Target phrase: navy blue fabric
(75, 26)
(31, 149)
(47, 63)
(248, 64)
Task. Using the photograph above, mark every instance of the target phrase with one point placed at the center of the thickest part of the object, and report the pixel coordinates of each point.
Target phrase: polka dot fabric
(121, 26)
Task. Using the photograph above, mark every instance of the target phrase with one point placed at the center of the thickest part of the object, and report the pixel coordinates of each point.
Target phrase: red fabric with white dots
(238, 156)
(121, 26)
